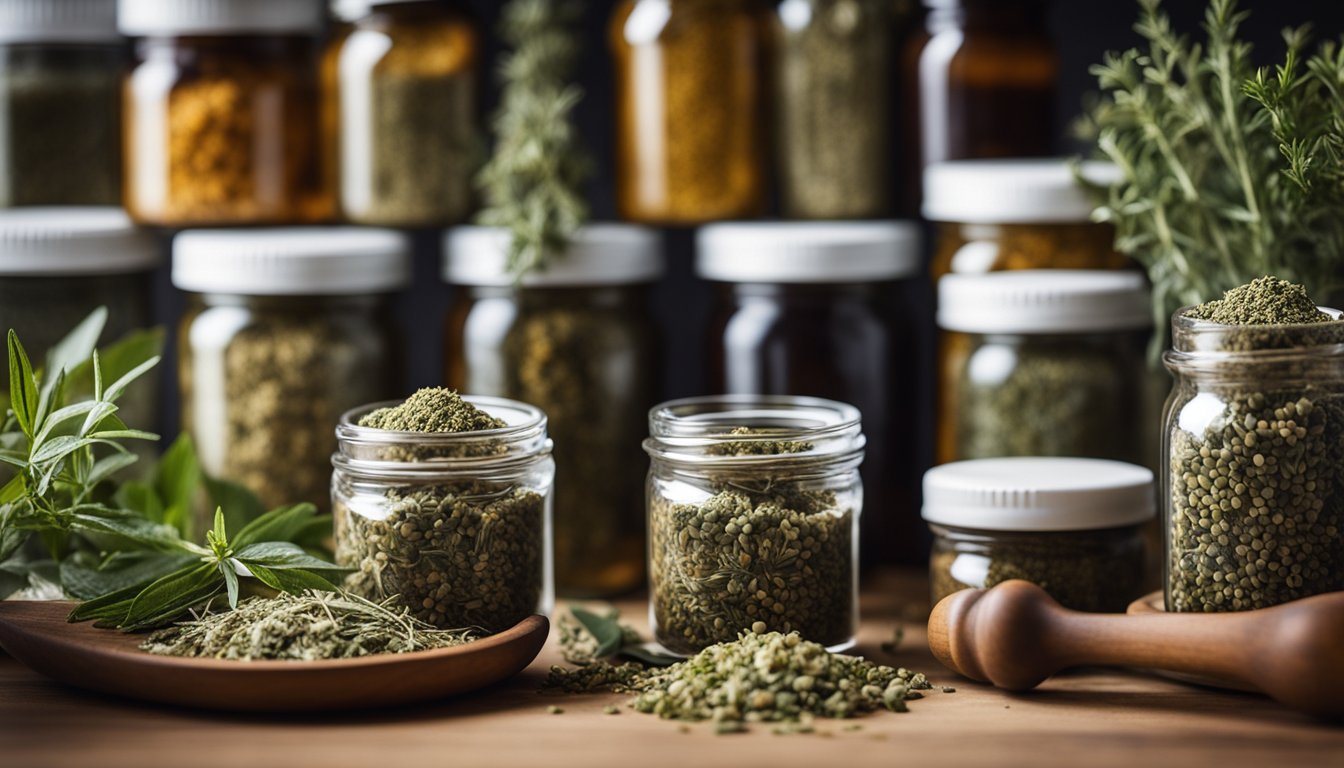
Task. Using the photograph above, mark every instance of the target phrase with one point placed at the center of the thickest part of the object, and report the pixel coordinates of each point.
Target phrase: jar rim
(685, 431)
(1197, 343)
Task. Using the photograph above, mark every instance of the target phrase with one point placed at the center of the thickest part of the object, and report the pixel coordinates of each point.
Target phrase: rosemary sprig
(533, 182)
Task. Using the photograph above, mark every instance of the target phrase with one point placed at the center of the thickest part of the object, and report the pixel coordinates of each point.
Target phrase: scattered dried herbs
(432, 409)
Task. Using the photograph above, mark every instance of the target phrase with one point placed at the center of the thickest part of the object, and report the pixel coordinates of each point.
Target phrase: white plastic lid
(808, 252)
(601, 254)
(1044, 301)
(1038, 494)
(219, 17)
(1012, 191)
(73, 241)
(349, 10)
(58, 21)
(291, 262)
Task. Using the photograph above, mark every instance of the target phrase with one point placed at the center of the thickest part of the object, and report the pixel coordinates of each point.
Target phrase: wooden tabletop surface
(1091, 718)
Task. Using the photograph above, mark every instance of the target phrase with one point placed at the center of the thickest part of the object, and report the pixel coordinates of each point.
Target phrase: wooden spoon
(1015, 636)
(108, 661)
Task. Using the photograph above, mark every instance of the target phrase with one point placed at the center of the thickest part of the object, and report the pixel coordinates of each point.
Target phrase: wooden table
(1095, 718)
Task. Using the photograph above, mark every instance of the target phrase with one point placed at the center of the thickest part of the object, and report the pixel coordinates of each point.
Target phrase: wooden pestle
(1014, 635)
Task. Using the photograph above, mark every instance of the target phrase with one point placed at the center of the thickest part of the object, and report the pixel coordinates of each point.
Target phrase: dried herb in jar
(761, 554)
(1257, 497)
(456, 554)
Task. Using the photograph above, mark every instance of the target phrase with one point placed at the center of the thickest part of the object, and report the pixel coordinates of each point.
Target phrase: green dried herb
(758, 445)
(1263, 301)
(533, 182)
(433, 409)
(308, 626)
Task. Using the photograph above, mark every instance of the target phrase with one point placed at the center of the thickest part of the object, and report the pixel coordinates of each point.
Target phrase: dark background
(1083, 31)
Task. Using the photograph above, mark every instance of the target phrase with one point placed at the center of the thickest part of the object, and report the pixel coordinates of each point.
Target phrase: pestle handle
(1014, 635)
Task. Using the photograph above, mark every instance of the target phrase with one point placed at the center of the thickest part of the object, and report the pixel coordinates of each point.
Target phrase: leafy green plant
(1207, 201)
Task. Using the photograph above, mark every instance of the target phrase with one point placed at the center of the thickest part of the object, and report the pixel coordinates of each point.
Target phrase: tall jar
(285, 331)
(691, 99)
(1043, 363)
(996, 215)
(579, 341)
(835, 87)
(754, 503)
(988, 78)
(1253, 443)
(222, 119)
(58, 265)
(406, 76)
(822, 309)
(60, 102)
(455, 526)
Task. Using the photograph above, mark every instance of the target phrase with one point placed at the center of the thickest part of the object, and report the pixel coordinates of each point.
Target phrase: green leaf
(227, 569)
(281, 524)
(13, 577)
(77, 347)
(11, 540)
(648, 653)
(282, 555)
(177, 480)
(118, 387)
(606, 630)
(140, 498)
(240, 505)
(122, 570)
(108, 466)
(291, 580)
(22, 385)
(129, 527)
(117, 360)
(173, 595)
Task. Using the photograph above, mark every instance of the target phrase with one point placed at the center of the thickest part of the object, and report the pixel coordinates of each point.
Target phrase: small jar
(406, 76)
(996, 215)
(822, 309)
(60, 102)
(1044, 363)
(1070, 526)
(753, 532)
(579, 341)
(286, 330)
(1253, 443)
(456, 526)
(691, 98)
(221, 110)
(988, 78)
(835, 87)
(58, 265)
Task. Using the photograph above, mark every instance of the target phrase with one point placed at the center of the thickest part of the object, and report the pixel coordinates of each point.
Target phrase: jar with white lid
(754, 504)
(60, 102)
(996, 215)
(578, 340)
(823, 309)
(286, 330)
(58, 265)
(221, 110)
(1071, 526)
(1045, 363)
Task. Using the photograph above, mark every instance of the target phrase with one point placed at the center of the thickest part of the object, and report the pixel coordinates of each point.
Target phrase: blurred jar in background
(221, 113)
(692, 78)
(834, 81)
(406, 76)
(60, 103)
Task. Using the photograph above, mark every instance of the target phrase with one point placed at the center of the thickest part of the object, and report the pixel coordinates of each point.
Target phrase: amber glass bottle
(692, 78)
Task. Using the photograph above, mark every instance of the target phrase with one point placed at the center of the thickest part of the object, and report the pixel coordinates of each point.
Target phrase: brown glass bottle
(987, 80)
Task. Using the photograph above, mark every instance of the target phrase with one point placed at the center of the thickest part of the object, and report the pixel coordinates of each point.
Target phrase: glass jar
(834, 97)
(286, 331)
(996, 215)
(457, 526)
(221, 110)
(407, 75)
(753, 532)
(1253, 440)
(58, 265)
(988, 78)
(1071, 526)
(691, 83)
(816, 309)
(578, 340)
(1044, 363)
(60, 103)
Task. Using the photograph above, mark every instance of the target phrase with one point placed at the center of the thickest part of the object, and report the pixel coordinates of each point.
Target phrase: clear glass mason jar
(1074, 527)
(221, 113)
(1253, 440)
(692, 82)
(285, 331)
(455, 525)
(406, 75)
(60, 102)
(1044, 363)
(753, 532)
(578, 340)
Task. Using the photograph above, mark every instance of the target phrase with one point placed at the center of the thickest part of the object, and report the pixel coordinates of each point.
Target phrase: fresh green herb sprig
(1207, 201)
(533, 182)
(587, 637)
